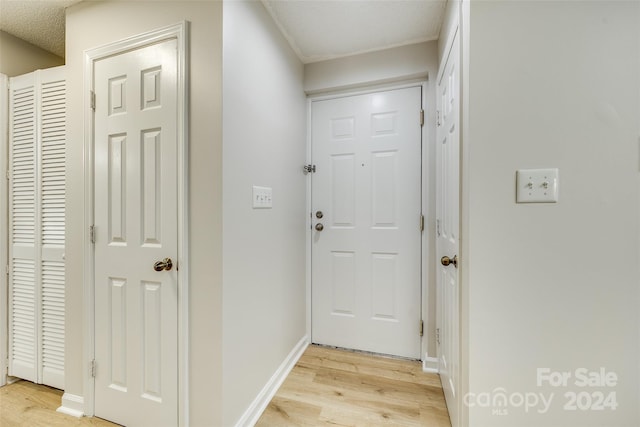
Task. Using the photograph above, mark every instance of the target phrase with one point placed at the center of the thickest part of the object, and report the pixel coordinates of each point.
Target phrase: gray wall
(19, 57)
(552, 84)
(264, 144)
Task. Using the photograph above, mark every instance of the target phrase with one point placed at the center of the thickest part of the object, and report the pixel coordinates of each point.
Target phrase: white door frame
(4, 198)
(424, 275)
(180, 33)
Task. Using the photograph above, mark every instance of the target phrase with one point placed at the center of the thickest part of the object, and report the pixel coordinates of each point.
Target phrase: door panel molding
(178, 32)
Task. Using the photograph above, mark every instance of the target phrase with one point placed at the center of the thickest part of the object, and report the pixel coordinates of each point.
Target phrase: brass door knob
(165, 264)
(319, 227)
(446, 261)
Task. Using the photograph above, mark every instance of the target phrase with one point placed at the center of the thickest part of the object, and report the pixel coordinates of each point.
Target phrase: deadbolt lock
(319, 214)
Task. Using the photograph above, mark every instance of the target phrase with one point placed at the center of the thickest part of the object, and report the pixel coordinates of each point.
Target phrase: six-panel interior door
(447, 227)
(366, 194)
(136, 382)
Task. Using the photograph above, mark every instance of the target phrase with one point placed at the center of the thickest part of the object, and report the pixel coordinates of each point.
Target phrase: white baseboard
(431, 365)
(260, 403)
(72, 405)
(11, 380)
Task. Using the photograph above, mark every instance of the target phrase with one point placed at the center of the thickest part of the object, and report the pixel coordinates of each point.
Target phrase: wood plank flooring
(326, 387)
(343, 388)
(24, 404)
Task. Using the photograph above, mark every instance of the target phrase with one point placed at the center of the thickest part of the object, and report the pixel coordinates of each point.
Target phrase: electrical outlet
(262, 197)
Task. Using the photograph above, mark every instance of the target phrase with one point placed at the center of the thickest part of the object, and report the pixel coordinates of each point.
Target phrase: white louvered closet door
(37, 226)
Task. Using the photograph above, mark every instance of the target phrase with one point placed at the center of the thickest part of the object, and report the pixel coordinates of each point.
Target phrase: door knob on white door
(446, 261)
(165, 264)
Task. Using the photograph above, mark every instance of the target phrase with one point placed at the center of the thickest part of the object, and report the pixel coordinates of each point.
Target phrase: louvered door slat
(23, 288)
(52, 228)
(37, 226)
(53, 322)
(23, 335)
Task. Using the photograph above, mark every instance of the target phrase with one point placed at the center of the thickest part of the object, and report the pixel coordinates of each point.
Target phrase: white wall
(553, 84)
(91, 24)
(264, 122)
(384, 66)
(19, 57)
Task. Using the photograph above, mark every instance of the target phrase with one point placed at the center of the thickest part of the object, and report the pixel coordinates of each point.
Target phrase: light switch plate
(537, 186)
(262, 197)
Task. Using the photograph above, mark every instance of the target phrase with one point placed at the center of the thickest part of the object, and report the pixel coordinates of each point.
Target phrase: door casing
(179, 32)
(425, 203)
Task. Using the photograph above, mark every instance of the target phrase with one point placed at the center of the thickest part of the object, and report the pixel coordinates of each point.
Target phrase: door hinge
(422, 328)
(421, 222)
(7, 270)
(421, 118)
(309, 169)
(438, 118)
(93, 100)
(438, 335)
(438, 227)
(7, 174)
(92, 368)
(92, 234)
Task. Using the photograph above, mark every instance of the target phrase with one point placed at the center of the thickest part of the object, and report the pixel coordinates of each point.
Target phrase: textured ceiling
(316, 29)
(39, 22)
(325, 29)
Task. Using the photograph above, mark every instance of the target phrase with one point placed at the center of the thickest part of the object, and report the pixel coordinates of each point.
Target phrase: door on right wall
(447, 226)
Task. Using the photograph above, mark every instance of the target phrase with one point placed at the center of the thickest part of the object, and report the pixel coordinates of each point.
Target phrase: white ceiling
(316, 29)
(323, 29)
(40, 22)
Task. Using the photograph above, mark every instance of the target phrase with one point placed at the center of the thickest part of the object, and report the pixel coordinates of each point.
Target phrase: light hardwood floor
(24, 404)
(344, 388)
(326, 387)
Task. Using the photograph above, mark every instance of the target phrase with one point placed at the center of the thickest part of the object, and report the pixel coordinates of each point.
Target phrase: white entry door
(136, 342)
(447, 227)
(366, 202)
